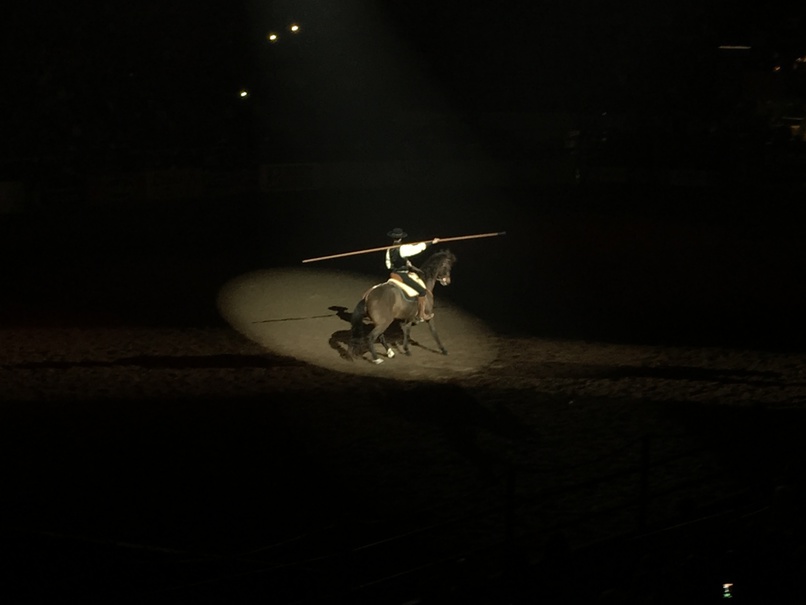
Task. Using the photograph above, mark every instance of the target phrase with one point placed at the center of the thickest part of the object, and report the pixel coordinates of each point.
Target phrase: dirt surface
(305, 314)
(180, 465)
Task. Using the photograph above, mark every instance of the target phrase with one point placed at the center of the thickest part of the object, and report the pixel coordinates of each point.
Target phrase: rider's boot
(422, 315)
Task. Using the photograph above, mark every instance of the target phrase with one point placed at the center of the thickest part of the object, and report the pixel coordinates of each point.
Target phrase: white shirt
(406, 250)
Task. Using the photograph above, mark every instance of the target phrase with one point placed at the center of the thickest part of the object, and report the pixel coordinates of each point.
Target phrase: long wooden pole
(441, 239)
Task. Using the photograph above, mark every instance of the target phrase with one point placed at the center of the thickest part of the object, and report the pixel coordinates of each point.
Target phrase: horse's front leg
(406, 336)
(433, 327)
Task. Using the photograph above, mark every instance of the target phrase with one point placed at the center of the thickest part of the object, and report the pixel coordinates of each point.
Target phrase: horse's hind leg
(390, 352)
(375, 334)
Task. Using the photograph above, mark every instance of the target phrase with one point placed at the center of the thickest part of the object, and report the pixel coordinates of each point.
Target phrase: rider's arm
(407, 250)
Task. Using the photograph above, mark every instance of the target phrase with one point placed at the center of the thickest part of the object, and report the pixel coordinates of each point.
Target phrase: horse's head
(439, 266)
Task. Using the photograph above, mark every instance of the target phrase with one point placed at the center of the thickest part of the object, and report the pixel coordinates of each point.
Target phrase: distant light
(777, 68)
(272, 37)
(730, 47)
(293, 28)
(243, 93)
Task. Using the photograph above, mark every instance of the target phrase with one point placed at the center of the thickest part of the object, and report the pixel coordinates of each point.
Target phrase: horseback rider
(397, 262)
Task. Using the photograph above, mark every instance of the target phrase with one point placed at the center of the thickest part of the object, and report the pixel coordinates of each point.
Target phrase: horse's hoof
(377, 361)
(444, 351)
(390, 353)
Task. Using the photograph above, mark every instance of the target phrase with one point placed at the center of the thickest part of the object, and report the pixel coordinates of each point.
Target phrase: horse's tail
(357, 321)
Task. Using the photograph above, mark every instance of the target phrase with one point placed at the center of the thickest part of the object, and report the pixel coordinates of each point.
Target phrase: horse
(386, 302)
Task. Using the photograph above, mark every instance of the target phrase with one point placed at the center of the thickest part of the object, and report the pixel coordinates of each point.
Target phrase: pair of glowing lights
(274, 37)
(800, 63)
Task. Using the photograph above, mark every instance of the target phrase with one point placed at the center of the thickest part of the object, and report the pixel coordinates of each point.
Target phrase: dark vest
(398, 262)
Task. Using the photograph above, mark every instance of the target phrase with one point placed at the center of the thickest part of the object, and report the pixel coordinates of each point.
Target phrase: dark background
(699, 226)
(164, 75)
(673, 215)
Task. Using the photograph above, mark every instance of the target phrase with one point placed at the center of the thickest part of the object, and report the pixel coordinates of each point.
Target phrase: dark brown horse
(387, 302)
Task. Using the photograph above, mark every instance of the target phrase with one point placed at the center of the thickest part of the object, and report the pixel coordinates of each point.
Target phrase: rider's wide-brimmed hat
(397, 233)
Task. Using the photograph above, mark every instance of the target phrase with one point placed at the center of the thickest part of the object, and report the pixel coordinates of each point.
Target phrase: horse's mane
(432, 266)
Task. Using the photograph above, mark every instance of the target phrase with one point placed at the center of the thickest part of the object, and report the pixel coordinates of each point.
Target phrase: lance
(382, 248)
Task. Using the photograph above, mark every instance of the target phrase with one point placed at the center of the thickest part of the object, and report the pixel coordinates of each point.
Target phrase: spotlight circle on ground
(304, 314)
